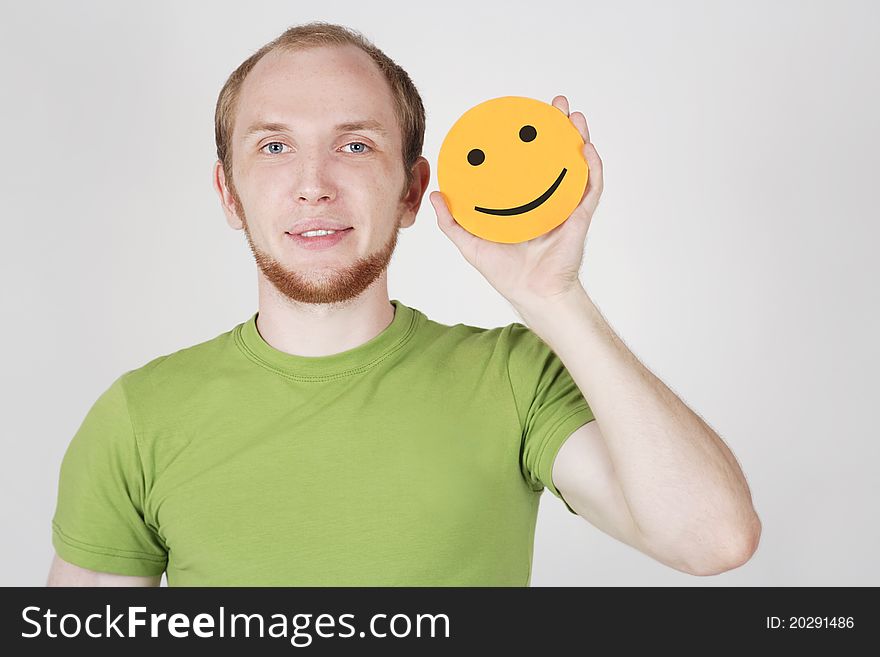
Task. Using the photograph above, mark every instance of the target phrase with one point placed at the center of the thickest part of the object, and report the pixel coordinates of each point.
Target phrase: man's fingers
(561, 103)
(580, 122)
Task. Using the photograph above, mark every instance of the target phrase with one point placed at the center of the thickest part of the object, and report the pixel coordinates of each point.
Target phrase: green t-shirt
(415, 459)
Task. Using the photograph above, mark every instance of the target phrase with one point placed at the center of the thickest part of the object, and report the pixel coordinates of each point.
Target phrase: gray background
(734, 249)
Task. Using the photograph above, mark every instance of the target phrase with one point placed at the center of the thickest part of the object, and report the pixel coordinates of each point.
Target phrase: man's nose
(314, 182)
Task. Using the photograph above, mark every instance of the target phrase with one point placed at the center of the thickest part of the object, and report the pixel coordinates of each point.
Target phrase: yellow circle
(512, 168)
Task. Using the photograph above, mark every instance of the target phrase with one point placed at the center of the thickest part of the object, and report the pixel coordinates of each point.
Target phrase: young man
(338, 437)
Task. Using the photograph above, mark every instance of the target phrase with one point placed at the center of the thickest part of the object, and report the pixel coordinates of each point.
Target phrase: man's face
(312, 169)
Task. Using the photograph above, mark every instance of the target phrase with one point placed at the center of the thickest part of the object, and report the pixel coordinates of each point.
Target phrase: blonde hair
(408, 104)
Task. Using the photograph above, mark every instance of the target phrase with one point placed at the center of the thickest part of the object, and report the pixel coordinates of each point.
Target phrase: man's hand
(546, 266)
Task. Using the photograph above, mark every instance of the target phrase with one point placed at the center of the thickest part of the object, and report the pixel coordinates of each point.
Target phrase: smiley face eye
(527, 133)
(476, 157)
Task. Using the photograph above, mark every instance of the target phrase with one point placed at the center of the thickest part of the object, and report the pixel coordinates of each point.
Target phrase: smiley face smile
(506, 212)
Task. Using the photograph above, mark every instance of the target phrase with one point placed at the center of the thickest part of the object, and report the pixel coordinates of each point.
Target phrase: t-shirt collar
(345, 363)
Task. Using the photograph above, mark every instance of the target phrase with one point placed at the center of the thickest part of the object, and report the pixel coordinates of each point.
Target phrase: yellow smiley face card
(512, 168)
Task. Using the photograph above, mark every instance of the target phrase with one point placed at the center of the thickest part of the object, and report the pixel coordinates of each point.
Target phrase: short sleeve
(99, 517)
(549, 403)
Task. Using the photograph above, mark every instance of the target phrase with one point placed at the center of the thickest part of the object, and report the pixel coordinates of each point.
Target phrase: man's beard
(337, 286)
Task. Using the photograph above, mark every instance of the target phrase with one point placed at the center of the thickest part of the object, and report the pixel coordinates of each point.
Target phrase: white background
(734, 249)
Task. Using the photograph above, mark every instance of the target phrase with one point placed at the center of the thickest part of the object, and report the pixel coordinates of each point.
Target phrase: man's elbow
(737, 552)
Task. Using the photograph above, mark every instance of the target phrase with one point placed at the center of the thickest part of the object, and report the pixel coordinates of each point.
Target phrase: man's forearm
(685, 489)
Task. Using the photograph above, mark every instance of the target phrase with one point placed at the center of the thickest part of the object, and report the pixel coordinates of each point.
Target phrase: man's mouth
(318, 239)
(506, 212)
(320, 232)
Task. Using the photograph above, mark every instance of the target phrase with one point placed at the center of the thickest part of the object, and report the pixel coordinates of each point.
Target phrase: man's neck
(322, 329)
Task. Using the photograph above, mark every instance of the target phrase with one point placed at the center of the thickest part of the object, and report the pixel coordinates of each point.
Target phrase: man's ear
(413, 198)
(227, 201)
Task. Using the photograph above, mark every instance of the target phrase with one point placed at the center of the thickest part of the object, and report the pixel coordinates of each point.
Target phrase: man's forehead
(262, 125)
(348, 97)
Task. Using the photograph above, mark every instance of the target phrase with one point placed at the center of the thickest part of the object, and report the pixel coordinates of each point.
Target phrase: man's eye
(358, 146)
(273, 143)
(357, 143)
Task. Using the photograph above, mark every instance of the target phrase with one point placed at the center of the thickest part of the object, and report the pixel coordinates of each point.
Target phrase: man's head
(307, 165)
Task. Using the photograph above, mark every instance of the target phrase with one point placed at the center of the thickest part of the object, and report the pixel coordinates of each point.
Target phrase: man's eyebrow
(363, 124)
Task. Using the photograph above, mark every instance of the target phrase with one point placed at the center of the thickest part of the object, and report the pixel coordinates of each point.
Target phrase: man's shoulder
(183, 368)
(468, 339)
(461, 332)
(513, 346)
